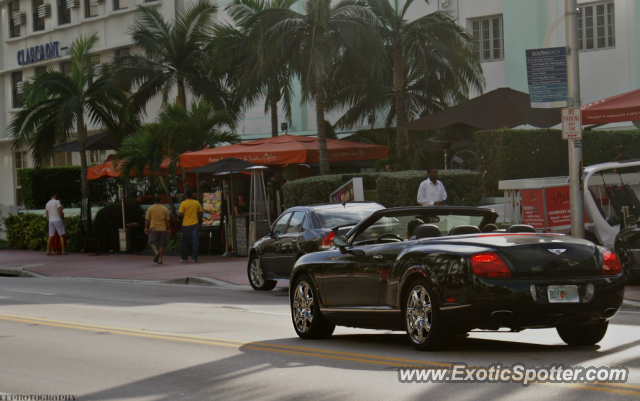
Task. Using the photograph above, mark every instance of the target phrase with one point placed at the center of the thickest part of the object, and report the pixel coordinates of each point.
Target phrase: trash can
(124, 234)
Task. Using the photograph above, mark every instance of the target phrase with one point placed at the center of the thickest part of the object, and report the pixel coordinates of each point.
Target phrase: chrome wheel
(419, 314)
(303, 307)
(255, 272)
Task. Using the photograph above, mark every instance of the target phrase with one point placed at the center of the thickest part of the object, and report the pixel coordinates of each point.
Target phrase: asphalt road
(101, 340)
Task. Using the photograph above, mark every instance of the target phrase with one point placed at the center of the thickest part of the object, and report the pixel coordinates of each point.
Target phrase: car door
(289, 246)
(269, 254)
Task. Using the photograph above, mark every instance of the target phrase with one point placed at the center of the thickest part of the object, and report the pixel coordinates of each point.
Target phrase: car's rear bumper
(491, 304)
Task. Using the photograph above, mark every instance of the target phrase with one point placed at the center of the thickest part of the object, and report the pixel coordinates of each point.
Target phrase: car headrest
(489, 228)
(461, 230)
(521, 228)
(426, 231)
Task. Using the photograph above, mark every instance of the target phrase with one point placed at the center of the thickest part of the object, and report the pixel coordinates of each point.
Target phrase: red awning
(110, 170)
(285, 149)
(615, 109)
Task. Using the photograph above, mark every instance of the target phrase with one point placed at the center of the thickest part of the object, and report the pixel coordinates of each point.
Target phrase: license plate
(563, 294)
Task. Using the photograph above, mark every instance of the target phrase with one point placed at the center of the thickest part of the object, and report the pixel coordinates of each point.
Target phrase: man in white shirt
(431, 191)
(56, 221)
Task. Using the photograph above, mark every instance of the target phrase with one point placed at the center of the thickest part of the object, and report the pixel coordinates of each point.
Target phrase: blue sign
(547, 76)
(39, 53)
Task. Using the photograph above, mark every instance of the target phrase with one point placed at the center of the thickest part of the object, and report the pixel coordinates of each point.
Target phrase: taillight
(610, 263)
(489, 265)
(326, 241)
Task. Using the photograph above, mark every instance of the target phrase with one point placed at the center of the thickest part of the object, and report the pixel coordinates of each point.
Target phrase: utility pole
(575, 146)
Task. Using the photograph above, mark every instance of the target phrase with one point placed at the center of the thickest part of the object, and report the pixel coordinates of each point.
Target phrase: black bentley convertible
(450, 277)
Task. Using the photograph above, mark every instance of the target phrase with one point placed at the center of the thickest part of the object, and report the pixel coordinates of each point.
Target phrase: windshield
(397, 226)
(342, 216)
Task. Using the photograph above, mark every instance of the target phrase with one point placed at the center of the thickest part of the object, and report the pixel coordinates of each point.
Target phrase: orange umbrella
(110, 169)
(285, 149)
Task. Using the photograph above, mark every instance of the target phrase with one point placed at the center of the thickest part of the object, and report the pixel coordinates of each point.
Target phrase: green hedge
(516, 154)
(464, 188)
(394, 189)
(30, 231)
(37, 184)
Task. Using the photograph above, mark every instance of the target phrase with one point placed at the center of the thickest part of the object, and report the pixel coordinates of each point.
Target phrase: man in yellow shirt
(156, 225)
(190, 210)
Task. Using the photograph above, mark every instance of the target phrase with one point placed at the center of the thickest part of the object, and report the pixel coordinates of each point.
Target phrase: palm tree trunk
(322, 135)
(198, 186)
(274, 116)
(172, 206)
(86, 190)
(182, 95)
(398, 83)
(185, 186)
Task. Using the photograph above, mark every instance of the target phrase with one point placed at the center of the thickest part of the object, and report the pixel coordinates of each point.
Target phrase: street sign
(572, 123)
(547, 77)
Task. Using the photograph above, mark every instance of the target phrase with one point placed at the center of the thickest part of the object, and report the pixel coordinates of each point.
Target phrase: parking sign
(572, 123)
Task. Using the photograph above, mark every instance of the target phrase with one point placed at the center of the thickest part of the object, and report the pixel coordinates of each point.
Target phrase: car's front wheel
(305, 311)
(424, 325)
(256, 276)
(583, 335)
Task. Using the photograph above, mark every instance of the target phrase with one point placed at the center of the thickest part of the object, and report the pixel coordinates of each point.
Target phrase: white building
(39, 32)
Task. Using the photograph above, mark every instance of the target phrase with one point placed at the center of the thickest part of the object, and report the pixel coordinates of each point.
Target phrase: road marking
(28, 292)
(614, 388)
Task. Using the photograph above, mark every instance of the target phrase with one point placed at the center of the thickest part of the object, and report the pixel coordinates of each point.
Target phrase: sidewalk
(133, 267)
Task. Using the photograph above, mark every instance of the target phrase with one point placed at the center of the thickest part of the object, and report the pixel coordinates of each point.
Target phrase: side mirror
(266, 232)
(340, 241)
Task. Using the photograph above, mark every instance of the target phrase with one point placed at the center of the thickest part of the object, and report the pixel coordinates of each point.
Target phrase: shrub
(37, 184)
(394, 189)
(516, 154)
(75, 242)
(112, 212)
(27, 231)
(464, 188)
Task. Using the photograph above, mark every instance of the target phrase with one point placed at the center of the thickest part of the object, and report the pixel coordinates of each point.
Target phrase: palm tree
(193, 130)
(274, 80)
(56, 107)
(146, 150)
(433, 65)
(311, 41)
(174, 56)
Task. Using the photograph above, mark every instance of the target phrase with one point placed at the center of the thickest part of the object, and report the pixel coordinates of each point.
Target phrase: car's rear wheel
(256, 276)
(424, 325)
(583, 335)
(305, 312)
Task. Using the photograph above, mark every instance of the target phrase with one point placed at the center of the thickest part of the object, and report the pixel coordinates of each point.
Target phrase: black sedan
(298, 231)
(450, 278)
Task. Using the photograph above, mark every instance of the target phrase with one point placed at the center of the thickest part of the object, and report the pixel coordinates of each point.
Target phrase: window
(295, 225)
(65, 67)
(120, 4)
(95, 63)
(281, 224)
(90, 8)
(16, 82)
(488, 34)
(596, 26)
(20, 161)
(14, 8)
(97, 156)
(64, 13)
(332, 217)
(38, 23)
(122, 52)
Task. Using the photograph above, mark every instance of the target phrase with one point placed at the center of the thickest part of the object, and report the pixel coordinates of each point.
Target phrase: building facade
(37, 33)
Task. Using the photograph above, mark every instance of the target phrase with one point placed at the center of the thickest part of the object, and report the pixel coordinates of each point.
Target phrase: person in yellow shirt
(156, 225)
(190, 210)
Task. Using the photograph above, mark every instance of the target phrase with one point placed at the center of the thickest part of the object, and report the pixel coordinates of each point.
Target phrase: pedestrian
(240, 206)
(412, 225)
(157, 226)
(431, 191)
(190, 210)
(388, 168)
(56, 222)
(622, 154)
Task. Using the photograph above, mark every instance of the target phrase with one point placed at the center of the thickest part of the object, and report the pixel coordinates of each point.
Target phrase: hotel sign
(39, 53)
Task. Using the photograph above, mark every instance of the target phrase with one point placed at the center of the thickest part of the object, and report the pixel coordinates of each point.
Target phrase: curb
(205, 281)
(629, 304)
(17, 271)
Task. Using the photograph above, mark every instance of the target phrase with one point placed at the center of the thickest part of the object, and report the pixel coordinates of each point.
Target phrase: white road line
(28, 292)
